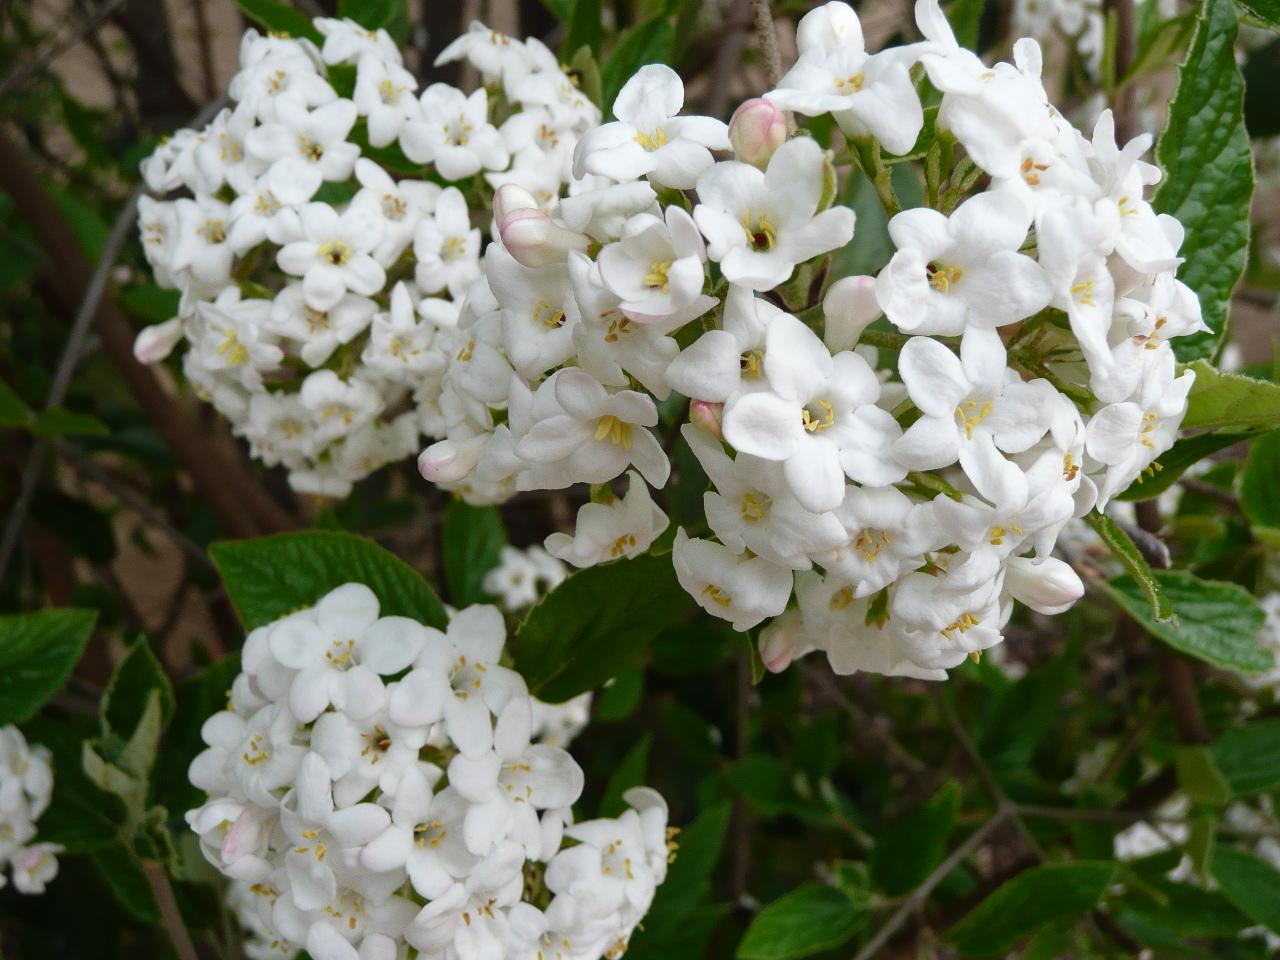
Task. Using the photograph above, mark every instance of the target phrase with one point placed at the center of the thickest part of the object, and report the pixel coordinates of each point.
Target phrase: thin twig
(162, 890)
(767, 38)
(60, 46)
(920, 894)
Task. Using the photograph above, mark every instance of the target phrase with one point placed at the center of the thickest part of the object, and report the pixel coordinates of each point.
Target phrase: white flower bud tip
(534, 241)
(849, 308)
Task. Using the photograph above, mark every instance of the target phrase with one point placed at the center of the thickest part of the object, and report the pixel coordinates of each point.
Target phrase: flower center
(817, 420)
(255, 754)
(376, 742)
(229, 148)
(310, 150)
(393, 208)
(1070, 469)
(941, 277)
(657, 275)
(847, 85)
(1149, 421)
(266, 204)
(652, 141)
(842, 598)
(232, 350)
(315, 320)
(457, 133)
(869, 545)
(213, 231)
(389, 92)
(624, 543)
(716, 595)
(335, 252)
(617, 432)
(465, 676)
(465, 353)
(277, 82)
(752, 364)
(998, 533)
(429, 834)
(761, 234)
(755, 505)
(619, 327)
(454, 247)
(340, 653)
(962, 624)
(549, 316)
(1031, 171)
(972, 413)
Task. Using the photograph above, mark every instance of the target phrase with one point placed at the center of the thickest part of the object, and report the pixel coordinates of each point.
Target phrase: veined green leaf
(1123, 549)
(37, 653)
(1230, 400)
(473, 541)
(808, 920)
(1208, 172)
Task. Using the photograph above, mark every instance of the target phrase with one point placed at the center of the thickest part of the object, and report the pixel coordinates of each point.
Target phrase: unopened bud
(782, 641)
(157, 341)
(707, 417)
(531, 237)
(1047, 586)
(509, 198)
(756, 130)
(849, 308)
(449, 461)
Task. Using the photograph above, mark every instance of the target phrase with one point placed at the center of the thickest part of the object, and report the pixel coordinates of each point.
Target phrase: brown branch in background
(728, 58)
(60, 45)
(767, 39)
(205, 42)
(220, 476)
(161, 889)
(1124, 99)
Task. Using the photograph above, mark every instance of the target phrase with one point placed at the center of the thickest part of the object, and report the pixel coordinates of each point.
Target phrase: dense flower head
(376, 785)
(26, 786)
(322, 234)
(891, 457)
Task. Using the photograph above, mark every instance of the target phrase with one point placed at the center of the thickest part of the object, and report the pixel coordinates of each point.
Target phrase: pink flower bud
(849, 307)
(157, 341)
(782, 641)
(449, 461)
(706, 417)
(756, 130)
(531, 237)
(508, 198)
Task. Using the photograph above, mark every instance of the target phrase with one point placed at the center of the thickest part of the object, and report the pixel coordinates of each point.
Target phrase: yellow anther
(716, 595)
(848, 85)
(618, 432)
(232, 350)
(842, 598)
(657, 275)
(652, 141)
(624, 543)
(816, 424)
(549, 316)
(941, 276)
(755, 505)
(213, 231)
(335, 252)
(1083, 292)
(761, 234)
(752, 364)
(971, 413)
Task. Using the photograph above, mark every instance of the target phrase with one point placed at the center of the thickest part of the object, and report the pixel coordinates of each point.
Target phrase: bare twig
(204, 40)
(162, 890)
(73, 35)
(1124, 101)
(767, 39)
(920, 894)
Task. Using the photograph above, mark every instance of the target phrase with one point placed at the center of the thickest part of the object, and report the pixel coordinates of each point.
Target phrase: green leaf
(1185, 910)
(585, 28)
(1260, 483)
(586, 68)
(1266, 12)
(764, 781)
(647, 42)
(90, 230)
(1208, 172)
(627, 774)
(61, 422)
(808, 920)
(273, 576)
(1228, 400)
(1216, 622)
(13, 409)
(1165, 40)
(280, 18)
(1122, 548)
(199, 697)
(1199, 776)
(473, 542)
(595, 625)
(37, 653)
(80, 817)
(1261, 109)
(1029, 901)
(373, 14)
(1249, 883)
(123, 873)
(124, 703)
(1248, 757)
(910, 849)
(150, 302)
(620, 698)
(1175, 461)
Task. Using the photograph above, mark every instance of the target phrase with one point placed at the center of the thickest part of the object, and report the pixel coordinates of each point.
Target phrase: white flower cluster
(904, 496)
(522, 576)
(324, 238)
(374, 783)
(26, 785)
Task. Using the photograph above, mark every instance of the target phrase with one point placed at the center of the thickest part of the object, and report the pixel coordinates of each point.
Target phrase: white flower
(304, 149)
(453, 133)
(200, 245)
(596, 434)
(973, 408)
(817, 415)
(1127, 437)
(446, 246)
(953, 272)
(886, 536)
(624, 527)
(490, 52)
(26, 787)
(320, 332)
(345, 41)
(740, 589)
(401, 339)
(338, 406)
(721, 362)
(656, 268)
(277, 73)
(399, 205)
(333, 255)
(867, 94)
(649, 139)
(384, 96)
(425, 837)
(231, 335)
(759, 225)
(1049, 585)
